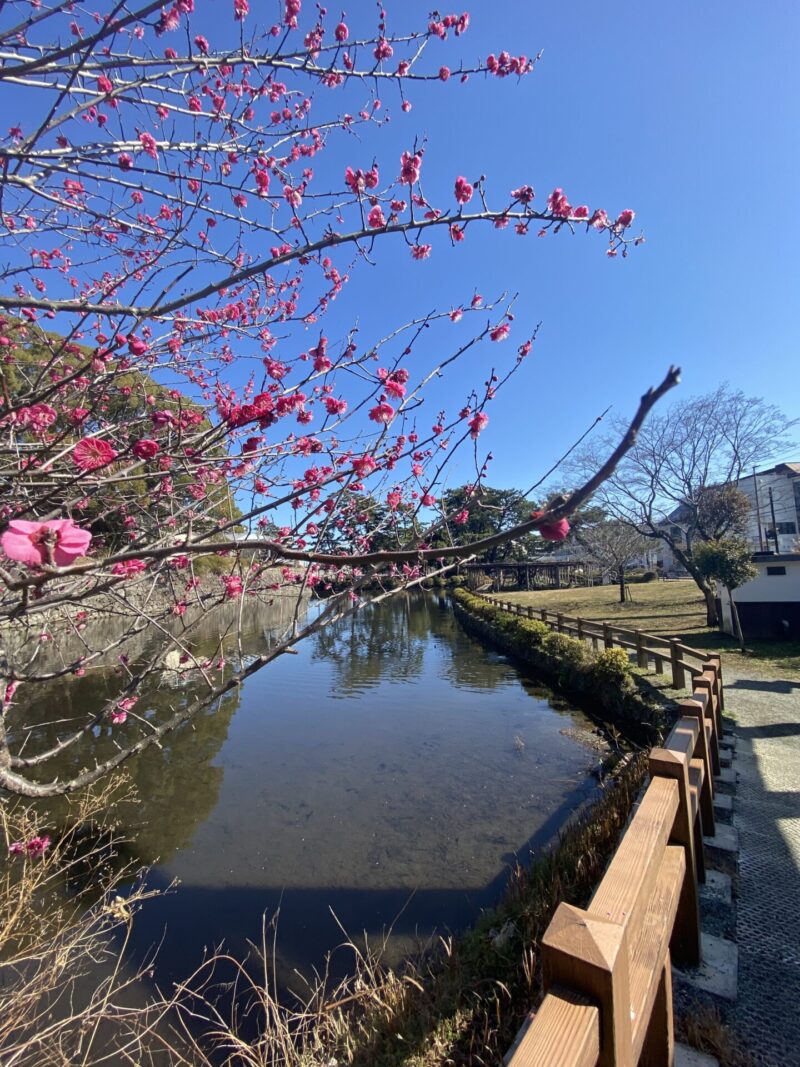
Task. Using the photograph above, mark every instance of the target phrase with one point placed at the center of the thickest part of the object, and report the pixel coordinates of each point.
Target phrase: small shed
(769, 605)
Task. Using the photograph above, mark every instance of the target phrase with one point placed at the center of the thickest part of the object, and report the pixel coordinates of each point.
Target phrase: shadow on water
(390, 773)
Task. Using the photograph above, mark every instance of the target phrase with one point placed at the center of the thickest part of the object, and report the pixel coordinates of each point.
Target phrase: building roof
(791, 468)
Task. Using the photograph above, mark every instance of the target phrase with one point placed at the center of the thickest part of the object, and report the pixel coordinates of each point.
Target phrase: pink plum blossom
(27, 542)
(146, 448)
(552, 531)
(463, 190)
(410, 166)
(129, 568)
(92, 453)
(382, 412)
(478, 422)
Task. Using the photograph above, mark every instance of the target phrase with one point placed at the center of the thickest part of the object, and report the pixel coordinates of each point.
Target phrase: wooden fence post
(590, 955)
(543, 613)
(669, 763)
(608, 637)
(678, 680)
(705, 685)
(641, 654)
(560, 622)
(580, 628)
(693, 709)
(530, 611)
(659, 1043)
(716, 661)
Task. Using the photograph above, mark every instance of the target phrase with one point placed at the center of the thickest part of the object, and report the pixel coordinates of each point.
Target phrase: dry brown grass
(68, 996)
(703, 1029)
(670, 609)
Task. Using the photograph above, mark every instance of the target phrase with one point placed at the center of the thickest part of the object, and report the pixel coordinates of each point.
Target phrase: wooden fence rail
(606, 968)
(683, 659)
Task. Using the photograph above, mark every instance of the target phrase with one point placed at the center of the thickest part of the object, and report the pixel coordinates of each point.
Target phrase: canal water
(388, 776)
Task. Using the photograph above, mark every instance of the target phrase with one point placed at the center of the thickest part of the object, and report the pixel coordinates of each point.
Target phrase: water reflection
(375, 773)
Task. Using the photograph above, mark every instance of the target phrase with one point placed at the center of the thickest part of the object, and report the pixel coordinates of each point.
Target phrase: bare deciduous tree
(613, 545)
(668, 486)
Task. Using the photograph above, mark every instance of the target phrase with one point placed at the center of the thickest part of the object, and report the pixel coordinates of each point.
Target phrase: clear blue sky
(689, 114)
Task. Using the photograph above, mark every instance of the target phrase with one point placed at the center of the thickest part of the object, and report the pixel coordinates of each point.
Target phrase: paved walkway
(767, 815)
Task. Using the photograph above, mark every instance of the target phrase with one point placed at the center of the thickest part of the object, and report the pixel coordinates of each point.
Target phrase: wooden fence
(606, 969)
(682, 659)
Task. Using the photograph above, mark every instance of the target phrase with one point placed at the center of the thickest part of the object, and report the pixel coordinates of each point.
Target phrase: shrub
(572, 652)
(534, 631)
(649, 576)
(613, 665)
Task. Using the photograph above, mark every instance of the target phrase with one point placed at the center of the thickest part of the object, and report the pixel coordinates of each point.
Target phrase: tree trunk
(703, 584)
(621, 577)
(737, 625)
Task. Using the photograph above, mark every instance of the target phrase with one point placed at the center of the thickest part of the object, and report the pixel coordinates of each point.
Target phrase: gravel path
(767, 806)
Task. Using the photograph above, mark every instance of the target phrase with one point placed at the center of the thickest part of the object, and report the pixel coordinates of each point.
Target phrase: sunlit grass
(671, 609)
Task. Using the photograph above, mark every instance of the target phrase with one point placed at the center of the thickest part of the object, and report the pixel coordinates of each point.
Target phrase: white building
(769, 605)
(773, 524)
(774, 497)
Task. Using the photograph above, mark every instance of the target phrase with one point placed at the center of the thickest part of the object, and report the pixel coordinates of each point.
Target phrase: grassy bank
(670, 609)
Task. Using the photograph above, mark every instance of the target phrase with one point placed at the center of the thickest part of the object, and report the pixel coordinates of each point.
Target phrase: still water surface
(390, 773)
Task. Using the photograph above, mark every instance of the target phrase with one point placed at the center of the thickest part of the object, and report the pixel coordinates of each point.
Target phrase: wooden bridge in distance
(535, 574)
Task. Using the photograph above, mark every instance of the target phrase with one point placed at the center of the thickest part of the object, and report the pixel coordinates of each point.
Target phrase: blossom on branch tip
(383, 50)
(148, 143)
(146, 448)
(233, 586)
(478, 422)
(382, 412)
(558, 204)
(552, 531)
(364, 465)
(524, 194)
(410, 166)
(129, 568)
(92, 453)
(463, 190)
(625, 218)
(28, 542)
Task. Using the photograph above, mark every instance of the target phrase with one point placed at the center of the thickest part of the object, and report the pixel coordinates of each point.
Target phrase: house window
(783, 528)
(774, 571)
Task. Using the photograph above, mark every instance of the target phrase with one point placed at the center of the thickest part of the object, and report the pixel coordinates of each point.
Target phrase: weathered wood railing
(606, 968)
(683, 659)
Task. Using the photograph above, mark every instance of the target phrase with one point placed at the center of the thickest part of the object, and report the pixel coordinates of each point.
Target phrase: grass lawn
(670, 609)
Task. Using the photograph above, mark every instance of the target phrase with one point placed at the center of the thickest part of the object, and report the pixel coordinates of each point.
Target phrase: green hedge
(602, 683)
